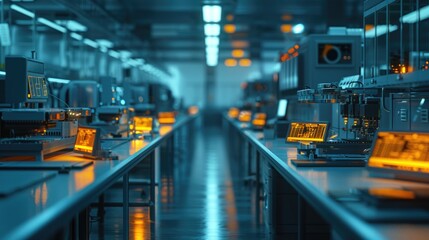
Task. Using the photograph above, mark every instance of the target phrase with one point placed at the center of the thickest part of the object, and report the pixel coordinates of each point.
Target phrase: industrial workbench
(294, 198)
(51, 206)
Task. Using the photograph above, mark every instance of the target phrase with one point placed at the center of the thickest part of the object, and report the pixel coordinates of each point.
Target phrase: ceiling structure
(172, 30)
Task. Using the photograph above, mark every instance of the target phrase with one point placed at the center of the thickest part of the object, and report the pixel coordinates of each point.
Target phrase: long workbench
(295, 197)
(52, 206)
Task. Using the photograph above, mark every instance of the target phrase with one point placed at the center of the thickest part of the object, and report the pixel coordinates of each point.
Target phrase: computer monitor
(402, 155)
(282, 109)
(87, 141)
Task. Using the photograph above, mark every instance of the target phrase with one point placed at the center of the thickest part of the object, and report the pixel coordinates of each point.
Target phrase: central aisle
(202, 197)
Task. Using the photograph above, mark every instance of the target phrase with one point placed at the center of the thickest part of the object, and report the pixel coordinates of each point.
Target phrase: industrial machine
(28, 126)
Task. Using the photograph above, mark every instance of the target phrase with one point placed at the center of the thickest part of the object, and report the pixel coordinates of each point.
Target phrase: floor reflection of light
(138, 220)
(212, 201)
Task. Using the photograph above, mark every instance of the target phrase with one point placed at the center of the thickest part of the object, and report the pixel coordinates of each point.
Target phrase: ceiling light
(52, 25)
(212, 41)
(413, 16)
(230, 62)
(90, 43)
(58, 80)
(237, 53)
(114, 54)
(22, 10)
(298, 28)
(211, 29)
(212, 61)
(380, 30)
(76, 36)
(125, 54)
(4, 35)
(105, 43)
(72, 25)
(245, 62)
(229, 28)
(286, 28)
(212, 13)
(212, 50)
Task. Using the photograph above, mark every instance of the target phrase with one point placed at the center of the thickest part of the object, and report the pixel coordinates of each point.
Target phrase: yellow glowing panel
(406, 151)
(193, 110)
(237, 53)
(286, 28)
(86, 140)
(307, 132)
(230, 62)
(259, 119)
(167, 117)
(245, 116)
(143, 124)
(229, 28)
(391, 193)
(245, 62)
(233, 112)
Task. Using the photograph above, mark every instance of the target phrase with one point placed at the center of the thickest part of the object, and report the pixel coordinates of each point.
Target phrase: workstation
(214, 120)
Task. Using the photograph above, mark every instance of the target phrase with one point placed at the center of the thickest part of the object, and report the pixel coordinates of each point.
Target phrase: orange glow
(259, 119)
(369, 27)
(83, 177)
(295, 54)
(287, 17)
(237, 53)
(296, 46)
(291, 50)
(229, 28)
(245, 116)
(136, 145)
(85, 140)
(229, 17)
(139, 225)
(307, 132)
(230, 62)
(143, 124)
(392, 193)
(245, 62)
(286, 28)
(239, 44)
(41, 195)
(405, 151)
(233, 112)
(166, 117)
(284, 57)
(193, 110)
(165, 129)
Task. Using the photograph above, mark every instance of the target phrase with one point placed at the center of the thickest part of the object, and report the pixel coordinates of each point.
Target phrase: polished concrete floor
(201, 195)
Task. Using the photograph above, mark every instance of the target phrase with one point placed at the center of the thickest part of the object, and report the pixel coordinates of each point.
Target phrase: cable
(382, 101)
(59, 99)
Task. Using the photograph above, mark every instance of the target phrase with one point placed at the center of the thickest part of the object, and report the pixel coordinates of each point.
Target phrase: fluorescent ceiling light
(211, 61)
(2, 73)
(76, 36)
(90, 43)
(125, 54)
(299, 28)
(4, 34)
(114, 54)
(72, 25)
(51, 25)
(103, 49)
(413, 16)
(58, 80)
(380, 30)
(105, 43)
(22, 10)
(212, 41)
(212, 13)
(212, 29)
(212, 50)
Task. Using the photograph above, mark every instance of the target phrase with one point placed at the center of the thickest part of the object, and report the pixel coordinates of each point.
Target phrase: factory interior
(214, 119)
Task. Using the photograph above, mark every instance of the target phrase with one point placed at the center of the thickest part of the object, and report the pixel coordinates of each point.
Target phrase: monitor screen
(282, 108)
(87, 140)
(307, 132)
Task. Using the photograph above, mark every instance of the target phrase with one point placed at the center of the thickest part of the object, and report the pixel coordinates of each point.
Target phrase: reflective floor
(201, 195)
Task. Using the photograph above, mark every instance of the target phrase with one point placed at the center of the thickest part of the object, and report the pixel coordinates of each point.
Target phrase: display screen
(405, 151)
(143, 124)
(307, 132)
(167, 117)
(37, 87)
(282, 108)
(86, 140)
